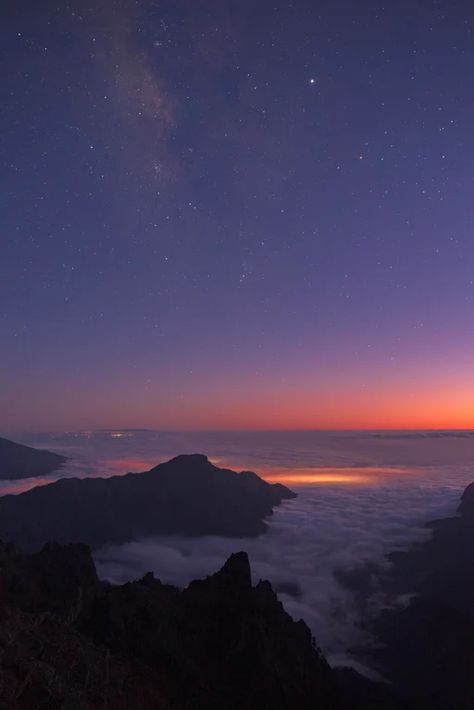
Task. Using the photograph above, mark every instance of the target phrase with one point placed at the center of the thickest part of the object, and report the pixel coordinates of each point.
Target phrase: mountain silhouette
(19, 461)
(187, 496)
(425, 635)
(71, 642)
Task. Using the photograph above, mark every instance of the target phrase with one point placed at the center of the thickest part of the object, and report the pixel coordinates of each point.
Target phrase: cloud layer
(372, 492)
(326, 529)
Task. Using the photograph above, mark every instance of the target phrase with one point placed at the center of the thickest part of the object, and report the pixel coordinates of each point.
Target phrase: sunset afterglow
(246, 238)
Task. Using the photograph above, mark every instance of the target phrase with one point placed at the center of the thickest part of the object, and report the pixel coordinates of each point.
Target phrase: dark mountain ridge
(187, 496)
(425, 645)
(71, 642)
(18, 461)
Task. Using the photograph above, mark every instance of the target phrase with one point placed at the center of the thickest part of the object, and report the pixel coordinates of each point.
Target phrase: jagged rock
(218, 644)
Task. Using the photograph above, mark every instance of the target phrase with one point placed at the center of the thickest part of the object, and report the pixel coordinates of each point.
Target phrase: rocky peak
(235, 573)
(190, 460)
(68, 641)
(186, 496)
(237, 569)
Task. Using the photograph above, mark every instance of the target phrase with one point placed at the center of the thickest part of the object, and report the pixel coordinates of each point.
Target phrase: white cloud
(389, 485)
(325, 529)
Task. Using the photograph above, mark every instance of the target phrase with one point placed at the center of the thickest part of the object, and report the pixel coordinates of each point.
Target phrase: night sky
(237, 214)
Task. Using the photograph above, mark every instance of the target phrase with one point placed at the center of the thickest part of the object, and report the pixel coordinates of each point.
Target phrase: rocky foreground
(187, 496)
(71, 642)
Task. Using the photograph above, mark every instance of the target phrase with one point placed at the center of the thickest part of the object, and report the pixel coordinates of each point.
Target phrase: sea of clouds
(382, 490)
(325, 529)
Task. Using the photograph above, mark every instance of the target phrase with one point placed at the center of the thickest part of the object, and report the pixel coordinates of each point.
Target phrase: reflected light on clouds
(347, 475)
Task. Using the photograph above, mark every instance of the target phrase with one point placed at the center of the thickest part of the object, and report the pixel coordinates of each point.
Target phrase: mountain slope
(426, 644)
(19, 461)
(70, 642)
(185, 496)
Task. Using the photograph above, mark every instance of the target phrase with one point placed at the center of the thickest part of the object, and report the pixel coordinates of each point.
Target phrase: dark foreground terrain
(19, 461)
(70, 642)
(426, 635)
(185, 496)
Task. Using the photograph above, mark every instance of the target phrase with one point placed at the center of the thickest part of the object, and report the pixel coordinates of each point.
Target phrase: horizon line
(238, 429)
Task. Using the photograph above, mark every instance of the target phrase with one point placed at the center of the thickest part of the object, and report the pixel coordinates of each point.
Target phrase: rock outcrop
(69, 641)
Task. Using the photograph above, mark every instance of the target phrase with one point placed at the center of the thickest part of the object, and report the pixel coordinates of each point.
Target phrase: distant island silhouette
(18, 461)
(186, 496)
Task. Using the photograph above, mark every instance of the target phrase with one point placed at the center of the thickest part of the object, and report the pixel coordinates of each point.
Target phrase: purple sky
(237, 214)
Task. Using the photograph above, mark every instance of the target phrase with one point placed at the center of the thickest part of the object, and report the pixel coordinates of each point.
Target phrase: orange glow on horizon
(424, 398)
(381, 406)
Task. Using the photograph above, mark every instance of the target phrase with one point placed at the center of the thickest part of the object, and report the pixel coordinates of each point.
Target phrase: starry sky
(236, 214)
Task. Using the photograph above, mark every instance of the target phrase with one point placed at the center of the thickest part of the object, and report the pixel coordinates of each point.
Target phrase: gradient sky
(237, 214)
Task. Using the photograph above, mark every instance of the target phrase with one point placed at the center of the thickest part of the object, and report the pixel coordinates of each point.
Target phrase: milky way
(236, 215)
